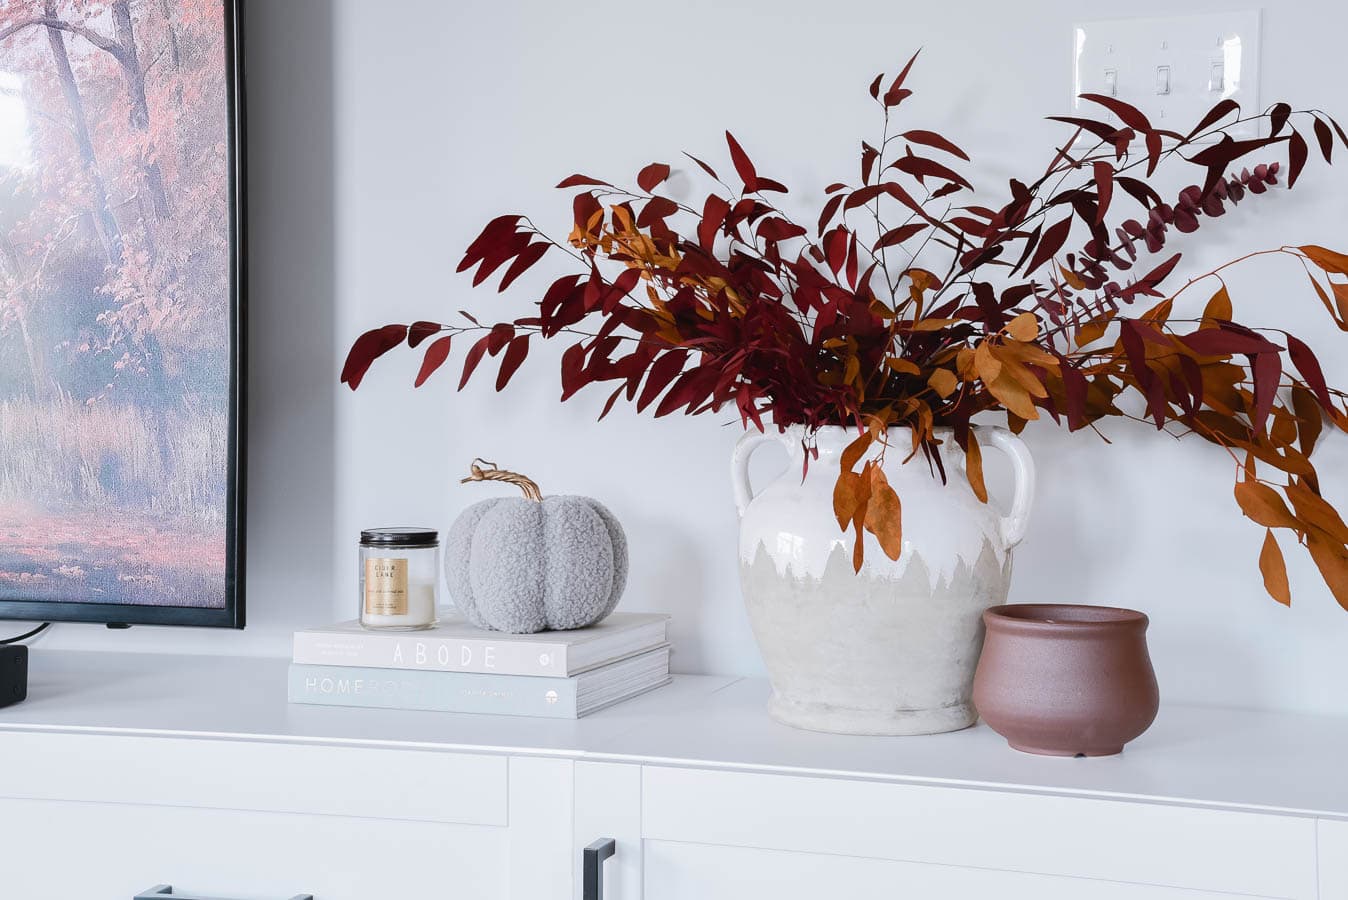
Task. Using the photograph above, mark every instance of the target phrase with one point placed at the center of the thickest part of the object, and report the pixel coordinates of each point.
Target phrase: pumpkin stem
(487, 471)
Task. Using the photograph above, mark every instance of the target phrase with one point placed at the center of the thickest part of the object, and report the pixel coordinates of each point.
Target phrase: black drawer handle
(166, 890)
(593, 873)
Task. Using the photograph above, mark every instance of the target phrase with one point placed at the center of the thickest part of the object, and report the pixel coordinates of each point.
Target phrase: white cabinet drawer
(58, 850)
(1333, 859)
(677, 871)
(1112, 841)
(348, 781)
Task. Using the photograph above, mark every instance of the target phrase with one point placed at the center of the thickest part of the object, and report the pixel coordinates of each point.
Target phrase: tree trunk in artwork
(37, 361)
(140, 107)
(12, 264)
(176, 60)
(152, 182)
(123, 49)
(104, 221)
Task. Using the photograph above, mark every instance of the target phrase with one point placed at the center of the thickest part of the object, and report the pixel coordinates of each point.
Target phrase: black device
(13, 674)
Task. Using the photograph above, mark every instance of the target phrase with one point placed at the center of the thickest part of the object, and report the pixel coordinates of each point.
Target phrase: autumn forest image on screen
(115, 301)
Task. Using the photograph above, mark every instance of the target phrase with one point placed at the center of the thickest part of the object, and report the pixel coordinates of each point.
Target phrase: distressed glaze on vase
(890, 649)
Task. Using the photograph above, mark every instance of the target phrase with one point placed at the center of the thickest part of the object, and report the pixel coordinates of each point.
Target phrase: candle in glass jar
(399, 578)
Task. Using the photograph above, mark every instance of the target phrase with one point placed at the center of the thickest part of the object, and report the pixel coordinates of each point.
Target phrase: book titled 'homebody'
(473, 692)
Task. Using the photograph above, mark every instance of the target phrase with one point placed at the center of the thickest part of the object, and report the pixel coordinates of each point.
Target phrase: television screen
(121, 339)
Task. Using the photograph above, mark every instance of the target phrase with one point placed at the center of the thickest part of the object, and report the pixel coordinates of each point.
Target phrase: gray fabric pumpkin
(527, 564)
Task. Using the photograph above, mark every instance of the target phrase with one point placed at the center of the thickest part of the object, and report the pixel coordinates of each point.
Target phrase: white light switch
(1172, 69)
(1217, 78)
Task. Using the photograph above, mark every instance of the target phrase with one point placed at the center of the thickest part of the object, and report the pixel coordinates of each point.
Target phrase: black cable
(27, 634)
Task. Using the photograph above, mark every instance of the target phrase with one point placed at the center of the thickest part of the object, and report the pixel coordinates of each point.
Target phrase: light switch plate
(1172, 69)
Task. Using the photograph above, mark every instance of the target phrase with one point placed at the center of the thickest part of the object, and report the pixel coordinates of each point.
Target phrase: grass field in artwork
(111, 503)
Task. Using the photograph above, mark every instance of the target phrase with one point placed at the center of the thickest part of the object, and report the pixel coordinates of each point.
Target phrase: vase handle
(1015, 523)
(739, 466)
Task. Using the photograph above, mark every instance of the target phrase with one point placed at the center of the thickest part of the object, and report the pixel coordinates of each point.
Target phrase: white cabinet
(362, 782)
(104, 817)
(100, 817)
(59, 850)
(608, 805)
(1333, 837)
(952, 841)
(676, 871)
(210, 782)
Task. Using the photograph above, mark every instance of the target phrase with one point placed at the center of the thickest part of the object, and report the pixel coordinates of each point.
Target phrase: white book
(472, 692)
(456, 646)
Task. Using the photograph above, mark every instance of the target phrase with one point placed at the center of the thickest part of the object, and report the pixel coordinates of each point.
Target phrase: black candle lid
(403, 535)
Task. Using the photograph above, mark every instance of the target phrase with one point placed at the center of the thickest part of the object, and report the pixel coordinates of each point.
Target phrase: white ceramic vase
(890, 649)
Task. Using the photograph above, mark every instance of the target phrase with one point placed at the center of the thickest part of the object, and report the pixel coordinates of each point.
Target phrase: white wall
(382, 141)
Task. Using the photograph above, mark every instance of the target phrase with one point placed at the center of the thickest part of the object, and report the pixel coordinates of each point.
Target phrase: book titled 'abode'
(456, 646)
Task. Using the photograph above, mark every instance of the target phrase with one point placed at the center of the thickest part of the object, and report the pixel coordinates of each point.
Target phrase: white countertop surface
(1193, 755)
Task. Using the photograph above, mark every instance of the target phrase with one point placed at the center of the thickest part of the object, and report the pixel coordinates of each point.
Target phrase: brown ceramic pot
(1065, 680)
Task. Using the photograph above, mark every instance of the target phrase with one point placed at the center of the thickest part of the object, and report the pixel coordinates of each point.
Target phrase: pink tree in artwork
(114, 294)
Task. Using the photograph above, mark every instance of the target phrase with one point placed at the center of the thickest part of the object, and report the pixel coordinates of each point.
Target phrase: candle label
(386, 587)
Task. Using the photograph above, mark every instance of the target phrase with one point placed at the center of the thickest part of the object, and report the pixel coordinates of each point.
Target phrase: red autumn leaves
(908, 303)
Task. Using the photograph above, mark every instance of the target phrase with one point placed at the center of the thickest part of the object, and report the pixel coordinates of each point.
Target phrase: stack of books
(455, 667)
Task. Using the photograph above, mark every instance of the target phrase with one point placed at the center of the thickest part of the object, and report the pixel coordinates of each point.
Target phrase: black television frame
(231, 615)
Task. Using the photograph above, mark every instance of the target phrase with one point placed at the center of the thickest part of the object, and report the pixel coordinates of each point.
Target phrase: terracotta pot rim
(1060, 617)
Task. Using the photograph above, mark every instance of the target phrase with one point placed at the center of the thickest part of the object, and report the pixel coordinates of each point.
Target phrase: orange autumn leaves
(1007, 367)
(1312, 522)
(1260, 395)
(908, 304)
(865, 500)
(1336, 263)
(1263, 400)
(1004, 362)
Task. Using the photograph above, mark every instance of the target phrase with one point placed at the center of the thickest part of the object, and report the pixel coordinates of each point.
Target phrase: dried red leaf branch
(898, 306)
